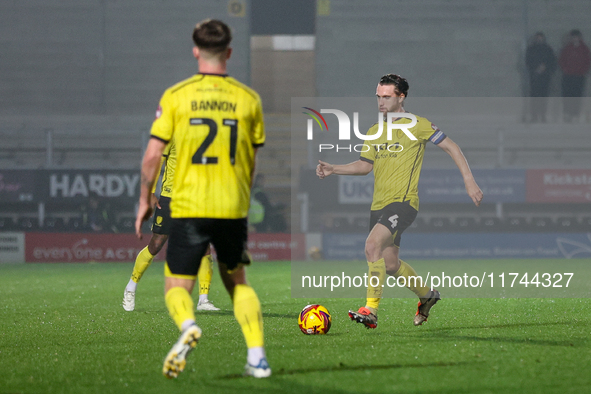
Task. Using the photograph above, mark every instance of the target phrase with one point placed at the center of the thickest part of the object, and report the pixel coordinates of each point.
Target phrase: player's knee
(156, 244)
(233, 278)
(392, 267)
(372, 250)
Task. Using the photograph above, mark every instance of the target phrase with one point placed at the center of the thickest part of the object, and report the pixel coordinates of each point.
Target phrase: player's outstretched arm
(456, 153)
(150, 167)
(358, 167)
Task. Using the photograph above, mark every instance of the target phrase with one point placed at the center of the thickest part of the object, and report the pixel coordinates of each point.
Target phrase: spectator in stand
(541, 65)
(575, 60)
(96, 217)
(266, 216)
(260, 206)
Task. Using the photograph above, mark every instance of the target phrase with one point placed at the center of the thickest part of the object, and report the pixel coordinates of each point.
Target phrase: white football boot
(175, 360)
(260, 371)
(129, 300)
(206, 306)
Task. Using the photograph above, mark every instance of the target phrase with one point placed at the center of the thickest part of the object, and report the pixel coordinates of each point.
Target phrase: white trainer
(129, 300)
(175, 360)
(260, 371)
(207, 306)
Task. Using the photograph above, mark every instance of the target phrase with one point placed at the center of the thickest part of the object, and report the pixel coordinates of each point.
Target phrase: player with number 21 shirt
(219, 122)
(216, 124)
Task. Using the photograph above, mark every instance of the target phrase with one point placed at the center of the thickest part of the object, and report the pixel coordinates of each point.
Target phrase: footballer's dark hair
(212, 35)
(400, 83)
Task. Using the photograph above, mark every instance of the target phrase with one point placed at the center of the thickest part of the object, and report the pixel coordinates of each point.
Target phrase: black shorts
(397, 216)
(162, 219)
(190, 237)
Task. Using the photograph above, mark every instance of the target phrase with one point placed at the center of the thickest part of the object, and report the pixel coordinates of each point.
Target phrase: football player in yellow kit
(217, 126)
(160, 231)
(395, 201)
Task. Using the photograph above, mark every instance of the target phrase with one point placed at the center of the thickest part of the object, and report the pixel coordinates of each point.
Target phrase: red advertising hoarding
(80, 247)
(269, 247)
(558, 186)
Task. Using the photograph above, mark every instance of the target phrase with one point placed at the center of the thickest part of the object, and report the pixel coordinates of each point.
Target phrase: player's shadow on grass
(364, 367)
(447, 333)
(508, 325)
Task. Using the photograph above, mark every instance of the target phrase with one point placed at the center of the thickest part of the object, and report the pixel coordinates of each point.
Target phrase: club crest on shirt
(158, 112)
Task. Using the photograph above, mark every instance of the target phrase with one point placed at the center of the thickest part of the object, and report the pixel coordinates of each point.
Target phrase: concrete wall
(109, 57)
(457, 48)
(279, 75)
(63, 57)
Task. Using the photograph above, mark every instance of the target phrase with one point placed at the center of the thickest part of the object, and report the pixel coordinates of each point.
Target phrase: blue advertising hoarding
(467, 246)
(447, 186)
(443, 186)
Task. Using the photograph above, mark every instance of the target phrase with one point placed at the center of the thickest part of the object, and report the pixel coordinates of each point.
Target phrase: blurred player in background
(160, 231)
(217, 125)
(396, 166)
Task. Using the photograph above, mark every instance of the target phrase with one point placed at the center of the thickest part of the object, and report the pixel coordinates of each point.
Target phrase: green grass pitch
(62, 330)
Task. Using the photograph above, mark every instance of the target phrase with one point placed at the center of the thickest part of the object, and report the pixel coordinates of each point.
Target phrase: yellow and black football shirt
(397, 163)
(216, 123)
(169, 163)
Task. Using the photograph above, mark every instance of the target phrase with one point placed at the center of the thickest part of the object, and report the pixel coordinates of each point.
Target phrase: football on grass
(314, 320)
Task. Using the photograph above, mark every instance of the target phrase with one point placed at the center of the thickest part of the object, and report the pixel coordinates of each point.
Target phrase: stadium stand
(7, 224)
(28, 224)
(99, 142)
(54, 224)
(117, 142)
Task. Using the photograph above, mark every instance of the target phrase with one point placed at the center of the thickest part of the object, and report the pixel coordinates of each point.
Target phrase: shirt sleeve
(258, 125)
(427, 131)
(163, 125)
(437, 136)
(163, 159)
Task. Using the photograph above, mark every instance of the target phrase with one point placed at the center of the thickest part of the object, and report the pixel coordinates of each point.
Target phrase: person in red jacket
(574, 61)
